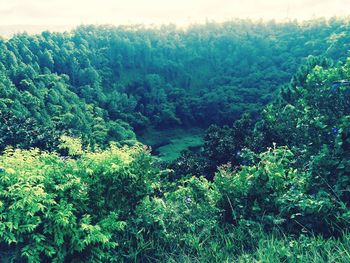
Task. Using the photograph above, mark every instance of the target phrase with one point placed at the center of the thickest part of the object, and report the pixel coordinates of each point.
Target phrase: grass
(168, 144)
(271, 248)
(302, 249)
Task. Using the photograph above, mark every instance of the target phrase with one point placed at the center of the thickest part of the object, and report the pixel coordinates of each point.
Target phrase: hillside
(103, 82)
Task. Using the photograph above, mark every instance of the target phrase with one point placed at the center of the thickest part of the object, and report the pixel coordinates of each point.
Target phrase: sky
(181, 12)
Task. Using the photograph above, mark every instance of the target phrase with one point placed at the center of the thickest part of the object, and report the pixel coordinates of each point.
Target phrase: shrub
(60, 208)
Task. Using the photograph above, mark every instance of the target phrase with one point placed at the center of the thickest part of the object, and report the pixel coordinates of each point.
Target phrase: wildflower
(226, 167)
(188, 200)
(147, 148)
(63, 158)
(334, 130)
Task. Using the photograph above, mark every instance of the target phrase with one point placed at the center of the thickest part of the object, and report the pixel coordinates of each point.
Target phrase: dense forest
(268, 181)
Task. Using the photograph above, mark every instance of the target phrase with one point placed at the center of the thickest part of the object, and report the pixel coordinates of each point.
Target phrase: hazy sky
(75, 12)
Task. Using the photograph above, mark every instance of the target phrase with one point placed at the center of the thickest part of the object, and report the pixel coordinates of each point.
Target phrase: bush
(60, 208)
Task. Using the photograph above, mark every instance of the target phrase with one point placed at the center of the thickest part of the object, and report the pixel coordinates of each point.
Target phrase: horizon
(54, 14)
(7, 31)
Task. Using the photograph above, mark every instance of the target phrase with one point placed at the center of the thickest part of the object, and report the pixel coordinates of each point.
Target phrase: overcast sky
(76, 12)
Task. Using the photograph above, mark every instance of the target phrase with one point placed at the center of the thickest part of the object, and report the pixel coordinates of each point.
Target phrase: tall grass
(229, 245)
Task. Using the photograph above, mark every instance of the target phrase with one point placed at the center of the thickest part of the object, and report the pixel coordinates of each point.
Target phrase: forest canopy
(103, 82)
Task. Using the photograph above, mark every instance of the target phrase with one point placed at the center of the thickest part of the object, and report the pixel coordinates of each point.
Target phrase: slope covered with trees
(273, 185)
(100, 82)
(289, 202)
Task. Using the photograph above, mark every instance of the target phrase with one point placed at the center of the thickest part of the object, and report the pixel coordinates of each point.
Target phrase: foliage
(57, 208)
(99, 83)
(303, 187)
(21, 132)
(273, 186)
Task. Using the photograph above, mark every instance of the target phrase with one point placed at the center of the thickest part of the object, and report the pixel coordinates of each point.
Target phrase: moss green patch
(168, 144)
